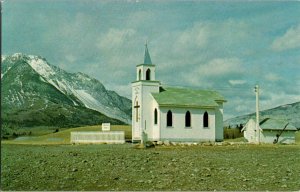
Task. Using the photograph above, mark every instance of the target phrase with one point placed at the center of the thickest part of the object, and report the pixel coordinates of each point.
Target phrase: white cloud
(278, 98)
(221, 66)
(272, 77)
(237, 82)
(211, 38)
(290, 40)
(239, 105)
(242, 108)
(105, 40)
(139, 18)
(70, 58)
(115, 38)
(197, 35)
(217, 71)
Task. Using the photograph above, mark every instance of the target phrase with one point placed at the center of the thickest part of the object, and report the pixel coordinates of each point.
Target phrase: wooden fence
(116, 137)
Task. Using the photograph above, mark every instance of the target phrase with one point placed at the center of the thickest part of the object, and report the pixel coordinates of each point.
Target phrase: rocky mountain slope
(36, 93)
(289, 112)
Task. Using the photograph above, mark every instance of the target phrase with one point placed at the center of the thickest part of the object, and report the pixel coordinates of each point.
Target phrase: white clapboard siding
(98, 137)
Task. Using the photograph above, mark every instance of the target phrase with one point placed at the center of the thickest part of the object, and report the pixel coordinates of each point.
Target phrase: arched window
(148, 74)
(155, 116)
(205, 119)
(140, 74)
(169, 119)
(187, 119)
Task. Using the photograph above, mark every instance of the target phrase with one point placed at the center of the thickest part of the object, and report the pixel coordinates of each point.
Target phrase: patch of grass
(63, 137)
(39, 131)
(297, 137)
(240, 139)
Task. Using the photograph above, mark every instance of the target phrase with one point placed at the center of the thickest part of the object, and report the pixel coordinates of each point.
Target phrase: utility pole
(256, 89)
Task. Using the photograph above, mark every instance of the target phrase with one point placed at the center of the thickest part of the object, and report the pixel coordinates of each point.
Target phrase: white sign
(105, 126)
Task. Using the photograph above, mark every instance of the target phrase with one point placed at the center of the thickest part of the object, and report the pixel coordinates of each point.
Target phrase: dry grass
(122, 167)
(63, 137)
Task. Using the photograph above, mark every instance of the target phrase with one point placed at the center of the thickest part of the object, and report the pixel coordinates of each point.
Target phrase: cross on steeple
(147, 59)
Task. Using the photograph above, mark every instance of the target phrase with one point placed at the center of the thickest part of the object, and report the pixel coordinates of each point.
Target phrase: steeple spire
(147, 59)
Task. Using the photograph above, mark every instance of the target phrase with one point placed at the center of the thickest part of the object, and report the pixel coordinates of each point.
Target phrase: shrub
(232, 133)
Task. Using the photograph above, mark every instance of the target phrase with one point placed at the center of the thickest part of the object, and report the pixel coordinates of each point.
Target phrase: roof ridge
(191, 89)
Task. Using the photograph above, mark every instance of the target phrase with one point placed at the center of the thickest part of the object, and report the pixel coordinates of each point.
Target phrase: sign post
(105, 126)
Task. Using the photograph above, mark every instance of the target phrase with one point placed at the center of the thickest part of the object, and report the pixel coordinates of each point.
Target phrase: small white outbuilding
(270, 131)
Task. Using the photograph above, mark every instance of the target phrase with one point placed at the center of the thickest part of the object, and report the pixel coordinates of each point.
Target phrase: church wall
(147, 109)
(136, 127)
(141, 92)
(178, 132)
(146, 120)
(154, 133)
(219, 123)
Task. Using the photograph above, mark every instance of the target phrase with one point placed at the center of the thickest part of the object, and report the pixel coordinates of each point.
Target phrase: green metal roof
(275, 124)
(182, 97)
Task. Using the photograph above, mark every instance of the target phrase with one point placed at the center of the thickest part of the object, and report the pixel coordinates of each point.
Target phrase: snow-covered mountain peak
(83, 76)
(18, 55)
(79, 88)
(3, 57)
(40, 66)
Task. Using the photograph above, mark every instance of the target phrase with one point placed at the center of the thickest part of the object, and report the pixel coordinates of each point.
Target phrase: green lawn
(297, 137)
(63, 137)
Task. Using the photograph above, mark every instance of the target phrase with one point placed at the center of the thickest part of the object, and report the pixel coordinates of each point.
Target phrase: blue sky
(228, 46)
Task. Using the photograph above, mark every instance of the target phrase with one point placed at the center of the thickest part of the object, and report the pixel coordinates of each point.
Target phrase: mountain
(36, 93)
(289, 112)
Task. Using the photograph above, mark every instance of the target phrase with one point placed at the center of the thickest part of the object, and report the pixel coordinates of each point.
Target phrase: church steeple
(146, 71)
(147, 59)
(142, 89)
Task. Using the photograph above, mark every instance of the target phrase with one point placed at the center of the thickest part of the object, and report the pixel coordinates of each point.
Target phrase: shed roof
(276, 124)
(182, 97)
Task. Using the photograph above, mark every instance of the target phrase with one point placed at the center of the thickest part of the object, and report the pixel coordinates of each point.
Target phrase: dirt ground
(123, 167)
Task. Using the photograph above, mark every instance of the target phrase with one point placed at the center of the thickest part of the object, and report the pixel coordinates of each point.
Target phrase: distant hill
(289, 112)
(35, 93)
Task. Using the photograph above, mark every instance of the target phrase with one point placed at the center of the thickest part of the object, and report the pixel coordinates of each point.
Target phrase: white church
(173, 114)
